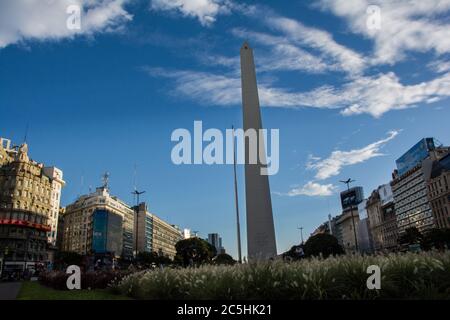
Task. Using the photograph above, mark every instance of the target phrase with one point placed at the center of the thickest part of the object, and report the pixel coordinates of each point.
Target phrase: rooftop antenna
(26, 133)
(301, 233)
(105, 180)
(135, 177)
(347, 182)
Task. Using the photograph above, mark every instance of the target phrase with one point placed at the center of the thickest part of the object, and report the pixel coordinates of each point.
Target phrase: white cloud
(313, 189)
(405, 26)
(371, 95)
(284, 55)
(224, 90)
(439, 66)
(22, 20)
(345, 58)
(331, 166)
(204, 10)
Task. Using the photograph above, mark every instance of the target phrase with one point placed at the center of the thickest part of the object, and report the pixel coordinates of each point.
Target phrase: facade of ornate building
(29, 207)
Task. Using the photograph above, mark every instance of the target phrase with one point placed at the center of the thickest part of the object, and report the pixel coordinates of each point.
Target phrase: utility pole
(137, 194)
(347, 182)
(238, 225)
(301, 233)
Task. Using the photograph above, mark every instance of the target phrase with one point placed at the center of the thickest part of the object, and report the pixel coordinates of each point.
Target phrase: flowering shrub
(89, 280)
(403, 276)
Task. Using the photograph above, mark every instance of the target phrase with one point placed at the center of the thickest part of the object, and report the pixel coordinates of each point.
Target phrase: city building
(165, 237)
(439, 192)
(144, 229)
(362, 229)
(56, 178)
(93, 221)
(347, 223)
(409, 185)
(373, 208)
(187, 233)
(29, 207)
(346, 227)
(215, 240)
(60, 233)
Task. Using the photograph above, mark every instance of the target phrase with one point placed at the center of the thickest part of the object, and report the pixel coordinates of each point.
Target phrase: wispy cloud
(22, 20)
(320, 40)
(332, 166)
(203, 10)
(283, 54)
(374, 95)
(405, 26)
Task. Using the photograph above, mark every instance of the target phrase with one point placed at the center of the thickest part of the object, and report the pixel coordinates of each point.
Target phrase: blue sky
(348, 100)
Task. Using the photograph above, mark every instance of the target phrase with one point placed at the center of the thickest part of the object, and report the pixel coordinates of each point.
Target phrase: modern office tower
(215, 240)
(382, 220)
(409, 185)
(91, 218)
(261, 243)
(439, 192)
(165, 237)
(29, 206)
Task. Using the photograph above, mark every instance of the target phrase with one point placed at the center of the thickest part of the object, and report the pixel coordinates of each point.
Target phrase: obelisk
(261, 243)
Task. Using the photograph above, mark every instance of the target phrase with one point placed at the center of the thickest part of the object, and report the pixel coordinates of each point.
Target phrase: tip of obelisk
(245, 45)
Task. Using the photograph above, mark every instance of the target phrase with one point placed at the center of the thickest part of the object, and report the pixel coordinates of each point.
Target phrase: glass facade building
(107, 233)
(415, 155)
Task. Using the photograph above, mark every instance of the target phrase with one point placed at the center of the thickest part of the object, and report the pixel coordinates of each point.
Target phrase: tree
(322, 244)
(194, 251)
(295, 253)
(147, 258)
(65, 258)
(436, 238)
(224, 259)
(411, 236)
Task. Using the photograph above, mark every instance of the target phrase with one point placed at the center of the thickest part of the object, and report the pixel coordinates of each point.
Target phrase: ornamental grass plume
(403, 276)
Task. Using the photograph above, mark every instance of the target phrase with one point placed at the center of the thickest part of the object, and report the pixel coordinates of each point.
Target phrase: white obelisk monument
(261, 243)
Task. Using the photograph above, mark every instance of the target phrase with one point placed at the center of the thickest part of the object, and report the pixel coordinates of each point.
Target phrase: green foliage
(411, 236)
(322, 245)
(147, 259)
(403, 276)
(64, 259)
(224, 259)
(437, 239)
(194, 251)
(295, 253)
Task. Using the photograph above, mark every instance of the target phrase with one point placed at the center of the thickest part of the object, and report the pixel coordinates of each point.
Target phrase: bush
(404, 276)
(89, 280)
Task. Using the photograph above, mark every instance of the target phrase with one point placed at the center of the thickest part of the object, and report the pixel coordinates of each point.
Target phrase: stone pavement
(9, 290)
